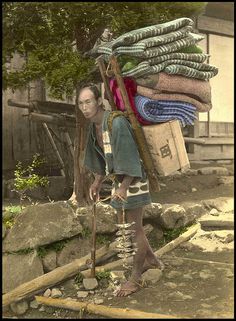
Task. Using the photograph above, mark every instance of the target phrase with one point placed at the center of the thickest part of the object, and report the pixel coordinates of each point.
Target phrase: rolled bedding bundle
(164, 83)
(159, 111)
(155, 95)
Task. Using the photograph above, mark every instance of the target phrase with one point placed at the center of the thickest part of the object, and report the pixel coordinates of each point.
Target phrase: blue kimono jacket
(120, 157)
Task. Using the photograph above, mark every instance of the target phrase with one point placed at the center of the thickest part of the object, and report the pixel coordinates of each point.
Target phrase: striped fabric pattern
(175, 66)
(192, 72)
(141, 50)
(159, 111)
(178, 55)
(139, 38)
(151, 31)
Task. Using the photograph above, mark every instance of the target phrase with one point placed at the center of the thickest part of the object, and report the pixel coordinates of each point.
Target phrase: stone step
(222, 221)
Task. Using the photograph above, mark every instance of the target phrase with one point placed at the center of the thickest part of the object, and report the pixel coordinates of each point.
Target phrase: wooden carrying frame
(137, 128)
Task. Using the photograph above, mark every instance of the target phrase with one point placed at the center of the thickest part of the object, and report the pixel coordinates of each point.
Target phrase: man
(116, 153)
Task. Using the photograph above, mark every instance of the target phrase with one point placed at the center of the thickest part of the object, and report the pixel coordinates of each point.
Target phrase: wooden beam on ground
(116, 313)
(226, 265)
(66, 271)
(180, 239)
(44, 281)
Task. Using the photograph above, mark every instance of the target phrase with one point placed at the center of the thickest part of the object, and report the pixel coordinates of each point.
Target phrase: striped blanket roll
(174, 66)
(140, 49)
(151, 31)
(162, 111)
(137, 35)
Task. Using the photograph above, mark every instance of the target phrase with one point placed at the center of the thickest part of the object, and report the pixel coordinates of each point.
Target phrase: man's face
(88, 104)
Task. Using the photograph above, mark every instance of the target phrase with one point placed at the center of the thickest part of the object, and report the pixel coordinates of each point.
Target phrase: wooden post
(137, 128)
(54, 146)
(102, 69)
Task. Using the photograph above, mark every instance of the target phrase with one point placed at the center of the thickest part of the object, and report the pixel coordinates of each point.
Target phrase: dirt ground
(197, 297)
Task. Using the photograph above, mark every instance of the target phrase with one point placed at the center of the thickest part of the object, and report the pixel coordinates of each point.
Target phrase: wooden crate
(166, 145)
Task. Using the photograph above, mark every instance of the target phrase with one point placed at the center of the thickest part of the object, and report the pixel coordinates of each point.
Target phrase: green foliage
(102, 239)
(86, 233)
(56, 246)
(54, 35)
(13, 209)
(171, 234)
(22, 251)
(79, 278)
(168, 235)
(103, 275)
(26, 178)
(9, 215)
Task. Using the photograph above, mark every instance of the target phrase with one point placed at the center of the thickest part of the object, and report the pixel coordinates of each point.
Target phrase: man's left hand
(120, 194)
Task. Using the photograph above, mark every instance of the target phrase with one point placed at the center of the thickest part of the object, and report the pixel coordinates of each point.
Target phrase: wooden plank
(226, 129)
(110, 312)
(20, 130)
(219, 26)
(213, 152)
(219, 141)
(8, 159)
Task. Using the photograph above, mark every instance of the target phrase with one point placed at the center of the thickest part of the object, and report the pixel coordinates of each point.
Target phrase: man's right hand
(72, 199)
(94, 191)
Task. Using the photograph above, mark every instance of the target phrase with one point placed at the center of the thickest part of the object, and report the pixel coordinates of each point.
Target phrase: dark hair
(93, 88)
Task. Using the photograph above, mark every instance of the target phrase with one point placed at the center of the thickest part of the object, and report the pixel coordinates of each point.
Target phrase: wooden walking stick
(137, 129)
(93, 250)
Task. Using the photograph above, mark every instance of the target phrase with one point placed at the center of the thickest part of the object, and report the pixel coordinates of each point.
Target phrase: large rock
(222, 204)
(74, 249)
(105, 218)
(18, 269)
(49, 261)
(173, 216)
(226, 180)
(153, 211)
(222, 221)
(42, 224)
(193, 211)
(19, 308)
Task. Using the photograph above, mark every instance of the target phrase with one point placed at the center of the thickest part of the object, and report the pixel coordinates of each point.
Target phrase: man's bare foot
(157, 264)
(127, 288)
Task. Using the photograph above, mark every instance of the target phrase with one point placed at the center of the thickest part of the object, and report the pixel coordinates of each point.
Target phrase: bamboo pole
(137, 128)
(54, 146)
(51, 278)
(116, 313)
(168, 247)
(102, 70)
(93, 249)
